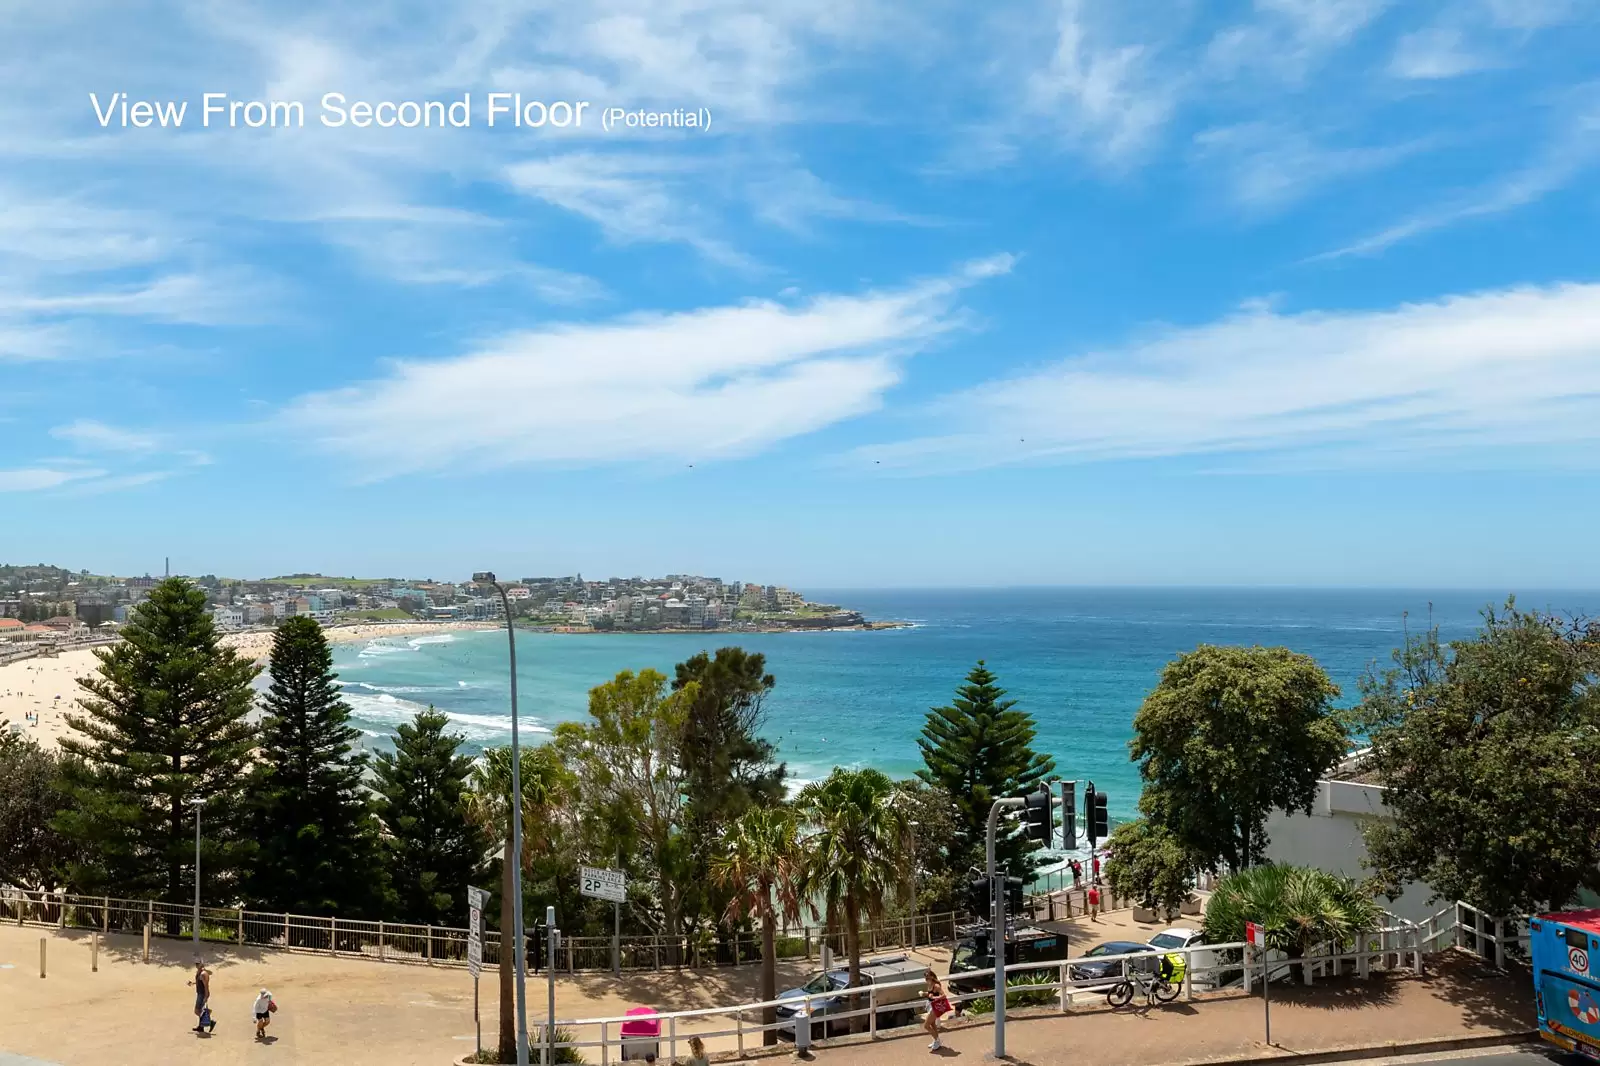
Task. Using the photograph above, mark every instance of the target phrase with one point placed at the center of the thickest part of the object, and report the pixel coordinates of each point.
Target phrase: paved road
(1532, 1055)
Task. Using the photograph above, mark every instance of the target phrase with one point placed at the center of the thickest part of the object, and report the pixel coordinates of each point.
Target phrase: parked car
(1112, 968)
(829, 992)
(974, 952)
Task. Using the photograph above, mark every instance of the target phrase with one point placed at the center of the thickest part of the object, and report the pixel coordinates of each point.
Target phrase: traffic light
(1041, 828)
(979, 902)
(1099, 822)
(1069, 815)
(1014, 896)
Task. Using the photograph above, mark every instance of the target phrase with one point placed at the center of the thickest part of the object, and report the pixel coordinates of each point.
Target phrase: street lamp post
(487, 578)
(196, 804)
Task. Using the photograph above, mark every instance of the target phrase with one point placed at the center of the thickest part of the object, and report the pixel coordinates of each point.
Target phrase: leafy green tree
(727, 765)
(431, 845)
(164, 727)
(547, 788)
(760, 866)
(1299, 907)
(977, 750)
(1488, 749)
(855, 851)
(1229, 735)
(935, 883)
(1147, 863)
(32, 853)
(313, 816)
(629, 762)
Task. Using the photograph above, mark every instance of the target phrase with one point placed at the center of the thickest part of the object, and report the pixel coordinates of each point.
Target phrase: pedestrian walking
(1094, 904)
(938, 1006)
(264, 1009)
(1097, 869)
(201, 983)
(697, 1052)
(1077, 874)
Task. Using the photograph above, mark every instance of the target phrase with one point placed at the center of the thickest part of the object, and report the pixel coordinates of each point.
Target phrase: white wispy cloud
(1268, 167)
(1517, 368)
(1097, 87)
(1438, 52)
(91, 435)
(701, 385)
(34, 478)
(1571, 150)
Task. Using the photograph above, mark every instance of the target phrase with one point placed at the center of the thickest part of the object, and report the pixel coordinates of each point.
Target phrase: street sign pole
(1256, 934)
(610, 885)
(476, 897)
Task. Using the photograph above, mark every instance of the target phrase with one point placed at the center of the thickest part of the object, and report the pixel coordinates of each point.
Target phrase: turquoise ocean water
(1080, 660)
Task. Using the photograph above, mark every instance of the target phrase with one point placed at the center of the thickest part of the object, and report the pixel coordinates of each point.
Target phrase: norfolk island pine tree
(977, 750)
(318, 836)
(431, 846)
(164, 723)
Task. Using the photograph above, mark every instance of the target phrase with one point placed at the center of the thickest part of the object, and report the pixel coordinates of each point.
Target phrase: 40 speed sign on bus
(603, 884)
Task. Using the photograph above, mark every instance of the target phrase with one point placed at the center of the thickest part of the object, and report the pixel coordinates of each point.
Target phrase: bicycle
(1156, 990)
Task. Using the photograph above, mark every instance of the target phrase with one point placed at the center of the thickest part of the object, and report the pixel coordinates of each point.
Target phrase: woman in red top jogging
(938, 1007)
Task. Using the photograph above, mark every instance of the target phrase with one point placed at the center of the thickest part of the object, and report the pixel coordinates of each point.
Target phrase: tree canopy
(432, 847)
(1229, 735)
(164, 728)
(1149, 864)
(32, 853)
(629, 760)
(1488, 749)
(976, 750)
(313, 819)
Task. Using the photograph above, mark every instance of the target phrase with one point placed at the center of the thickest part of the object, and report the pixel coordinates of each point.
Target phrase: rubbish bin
(641, 1035)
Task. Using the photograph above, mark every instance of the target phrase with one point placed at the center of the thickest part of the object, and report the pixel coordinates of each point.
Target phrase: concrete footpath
(1459, 1000)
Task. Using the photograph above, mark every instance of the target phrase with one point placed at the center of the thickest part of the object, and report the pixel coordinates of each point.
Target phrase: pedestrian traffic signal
(1014, 900)
(1099, 822)
(1069, 815)
(1041, 827)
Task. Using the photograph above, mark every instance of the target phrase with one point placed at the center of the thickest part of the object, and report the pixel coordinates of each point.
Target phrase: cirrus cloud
(714, 383)
(1468, 374)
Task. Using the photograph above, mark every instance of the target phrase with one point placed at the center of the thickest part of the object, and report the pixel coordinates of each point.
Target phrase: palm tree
(546, 786)
(1300, 908)
(760, 864)
(855, 851)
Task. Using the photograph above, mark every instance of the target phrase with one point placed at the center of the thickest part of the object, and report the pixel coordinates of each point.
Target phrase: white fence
(883, 1008)
(438, 945)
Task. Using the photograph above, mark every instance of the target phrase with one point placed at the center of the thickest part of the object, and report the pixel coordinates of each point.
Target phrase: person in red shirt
(1097, 869)
(1094, 904)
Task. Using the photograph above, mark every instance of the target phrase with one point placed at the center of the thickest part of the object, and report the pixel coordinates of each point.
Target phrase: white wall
(1329, 838)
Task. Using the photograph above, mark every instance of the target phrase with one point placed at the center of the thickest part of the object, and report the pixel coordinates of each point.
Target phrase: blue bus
(1566, 951)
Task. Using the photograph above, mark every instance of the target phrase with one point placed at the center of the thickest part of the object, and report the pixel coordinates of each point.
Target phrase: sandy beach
(47, 687)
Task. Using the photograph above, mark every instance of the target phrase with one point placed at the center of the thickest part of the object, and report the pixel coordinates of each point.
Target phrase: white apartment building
(228, 618)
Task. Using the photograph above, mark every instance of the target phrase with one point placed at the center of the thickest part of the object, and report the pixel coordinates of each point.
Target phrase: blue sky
(1077, 291)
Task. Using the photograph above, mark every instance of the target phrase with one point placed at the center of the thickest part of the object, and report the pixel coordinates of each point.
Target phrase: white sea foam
(433, 638)
(377, 648)
(387, 708)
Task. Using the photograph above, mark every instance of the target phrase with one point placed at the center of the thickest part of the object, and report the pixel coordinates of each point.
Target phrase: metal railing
(887, 1006)
(438, 945)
